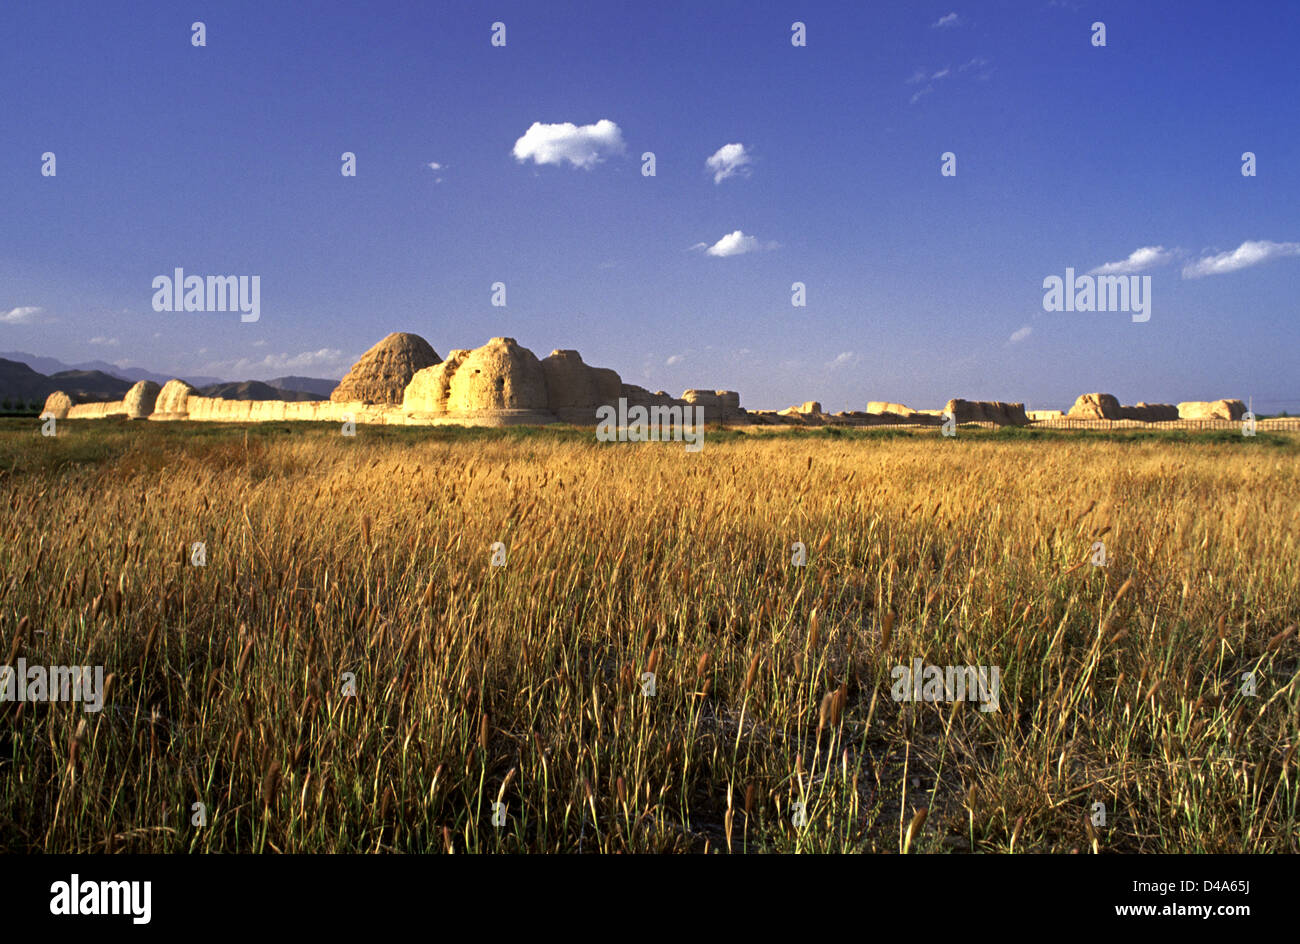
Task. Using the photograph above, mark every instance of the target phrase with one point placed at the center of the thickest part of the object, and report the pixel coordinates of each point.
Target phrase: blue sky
(225, 160)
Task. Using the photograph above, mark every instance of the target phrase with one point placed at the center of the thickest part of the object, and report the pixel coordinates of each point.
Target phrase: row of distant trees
(17, 405)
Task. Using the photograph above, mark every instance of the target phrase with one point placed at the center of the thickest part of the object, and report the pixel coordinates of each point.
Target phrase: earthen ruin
(402, 380)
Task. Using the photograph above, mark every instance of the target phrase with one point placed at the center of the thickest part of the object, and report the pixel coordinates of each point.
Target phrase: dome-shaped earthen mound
(57, 404)
(1096, 406)
(140, 400)
(498, 383)
(1211, 410)
(172, 402)
(502, 383)
(500, 375)
(384, 371)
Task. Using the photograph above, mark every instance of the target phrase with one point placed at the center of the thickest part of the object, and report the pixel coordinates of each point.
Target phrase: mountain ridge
(28, 377)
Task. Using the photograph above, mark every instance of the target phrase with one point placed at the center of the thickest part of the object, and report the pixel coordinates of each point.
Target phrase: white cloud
(324, 356)
(1250, 253)
(107, 342)
(584, 146)
(675, 359)
(843, 359)
(24, 315)
(948, 19)
(1020, 334)
(729, 160)
(1139, 260)
(326, 359)
(929, 77)
(434, 165)
(436, 168)
(734, 244)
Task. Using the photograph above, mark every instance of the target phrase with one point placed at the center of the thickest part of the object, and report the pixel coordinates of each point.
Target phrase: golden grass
(522, 685)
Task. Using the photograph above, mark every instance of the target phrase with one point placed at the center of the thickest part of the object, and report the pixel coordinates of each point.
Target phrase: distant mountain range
(50, 365)
(320, 386)
(19, 383)
(258, 390)
(29, 378)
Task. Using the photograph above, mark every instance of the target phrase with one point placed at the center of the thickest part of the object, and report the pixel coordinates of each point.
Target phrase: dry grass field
(366, 563)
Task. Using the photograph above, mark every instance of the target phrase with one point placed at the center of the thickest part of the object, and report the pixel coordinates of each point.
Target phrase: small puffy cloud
(946, 21)
(729, 160)
(733, 244)
(842, 359)
(106, 342)
(24, 315)
(437, 169)
(941, 74)
(675, 359)
(326, 359)
(917, 96)
(434, 165)
(1139, 260)
(1250, 253)
(1020, 334)
(582, 146)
